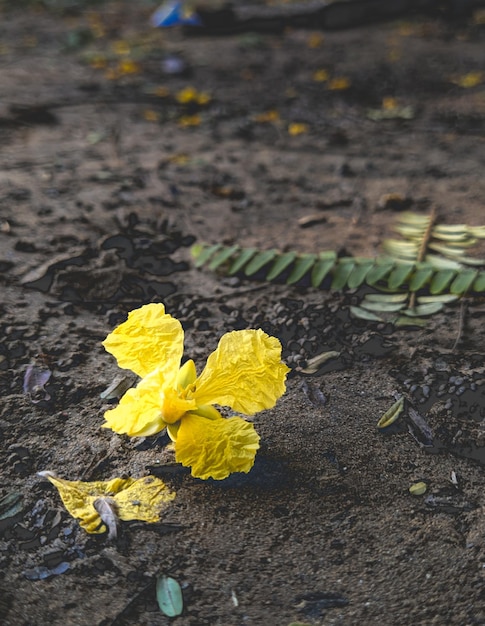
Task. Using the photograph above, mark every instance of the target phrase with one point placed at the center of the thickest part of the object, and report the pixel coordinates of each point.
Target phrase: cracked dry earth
(99, 207)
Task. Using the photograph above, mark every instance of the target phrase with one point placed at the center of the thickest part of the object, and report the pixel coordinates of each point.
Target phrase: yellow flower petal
(139, 412)
(216, 448)
(140, 499)
(149, 407)
(143, 500)
(245, 372)
(148, 339)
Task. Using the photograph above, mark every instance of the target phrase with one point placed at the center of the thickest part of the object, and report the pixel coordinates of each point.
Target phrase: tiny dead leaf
(316, 362)
(297, 128)
(418, 489)
(391, 415)
(106, 508)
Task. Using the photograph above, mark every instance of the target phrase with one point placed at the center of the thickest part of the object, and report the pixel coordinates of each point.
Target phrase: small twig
(423, 249)
(461, 324)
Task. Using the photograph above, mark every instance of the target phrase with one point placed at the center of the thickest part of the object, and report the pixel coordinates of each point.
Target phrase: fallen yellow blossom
(320, 76)
(472, 79)
(267, 117)
(189, 120)
(315, 40)
(149, 115)
(339, 83)
(100, 504)
(244, 373)
(190, 94)
(297, 128)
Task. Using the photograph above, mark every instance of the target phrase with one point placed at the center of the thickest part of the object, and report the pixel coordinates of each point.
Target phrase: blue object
(173, 13)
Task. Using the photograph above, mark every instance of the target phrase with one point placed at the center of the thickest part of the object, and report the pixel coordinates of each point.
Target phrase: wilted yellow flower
(98, 62)
(244, 373)
(127, 66)
(267, 116)
(189, 120)
(124, 499)
(121, 47)
(389, 103)
(96, 25)
(320, 76)
(315, 40)
(339, 83)
(150, 115)
(161, 92)
(472, 79)
(297, 128)
(190, 94)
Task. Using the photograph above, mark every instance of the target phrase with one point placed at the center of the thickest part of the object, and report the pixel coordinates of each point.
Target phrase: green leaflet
(220, 257)
(241, 260)
(382, 306)
(445, 298)
(441, 280)
(362, 314)
(322, 267)
(420, 277)
(440, 263)
(342, 272)
(281, 263)
(259, 260)
(359, 273)
(463, 282)
(424, 309)
(479, 284)
(399, 275)
(169, 596)
(403, 321)
(379, 271)
(387, 297)
(301, 267)
(203, 253)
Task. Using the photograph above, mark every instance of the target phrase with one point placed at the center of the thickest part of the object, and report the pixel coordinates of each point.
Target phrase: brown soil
(98, 209)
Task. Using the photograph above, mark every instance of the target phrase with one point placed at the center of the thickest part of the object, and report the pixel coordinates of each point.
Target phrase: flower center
(174, 405)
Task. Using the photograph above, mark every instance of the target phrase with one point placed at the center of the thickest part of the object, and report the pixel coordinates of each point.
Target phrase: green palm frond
(420, 273)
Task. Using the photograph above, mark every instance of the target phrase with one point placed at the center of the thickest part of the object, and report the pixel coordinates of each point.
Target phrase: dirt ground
(106, 181)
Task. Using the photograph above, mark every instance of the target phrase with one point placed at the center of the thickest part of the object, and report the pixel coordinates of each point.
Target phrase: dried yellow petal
(131, 499)
(140, 411)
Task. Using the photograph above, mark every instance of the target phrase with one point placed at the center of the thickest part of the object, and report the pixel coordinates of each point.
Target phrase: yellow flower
(320, 76)
(339, 83)
(472, 79)
(244, 373)
(267, 116)
(122, 499)
(190, 94)
(189, 120)
(297, 128)
(150, 115)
